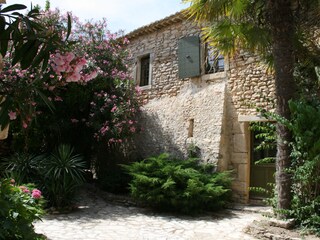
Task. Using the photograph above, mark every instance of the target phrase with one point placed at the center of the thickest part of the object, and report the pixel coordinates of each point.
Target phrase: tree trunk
(282, 31)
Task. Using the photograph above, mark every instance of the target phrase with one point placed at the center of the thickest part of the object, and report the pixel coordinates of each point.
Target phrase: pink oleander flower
(103, 130)
(82, 61)
(12, 115)
(132, 129)
(74, 77)
(36, 193)
(90, 76)
(114, 109)
(24, 189)
(24, 125)
(138, 90)
(69, 56)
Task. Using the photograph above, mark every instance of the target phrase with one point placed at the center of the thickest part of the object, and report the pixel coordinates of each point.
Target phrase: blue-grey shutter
(189, 57)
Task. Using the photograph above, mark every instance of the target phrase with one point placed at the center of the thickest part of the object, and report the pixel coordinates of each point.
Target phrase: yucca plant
(63, 173)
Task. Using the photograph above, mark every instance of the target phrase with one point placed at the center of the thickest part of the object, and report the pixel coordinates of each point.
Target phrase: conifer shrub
(178, 185)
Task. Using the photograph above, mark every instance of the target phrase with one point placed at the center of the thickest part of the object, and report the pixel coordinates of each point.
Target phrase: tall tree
(276, 29)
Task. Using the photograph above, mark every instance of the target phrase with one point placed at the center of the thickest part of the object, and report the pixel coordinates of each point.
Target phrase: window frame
(138, 70)
(217, 58)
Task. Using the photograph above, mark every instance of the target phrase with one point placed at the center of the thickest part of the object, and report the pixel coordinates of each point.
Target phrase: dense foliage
(178, 185)
(305, 168)
(305, 157)
(27, 38)
(59, 174)
(83, 98)
(20, 206)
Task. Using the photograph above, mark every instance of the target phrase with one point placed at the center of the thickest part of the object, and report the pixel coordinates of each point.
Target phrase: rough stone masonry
(202, 113)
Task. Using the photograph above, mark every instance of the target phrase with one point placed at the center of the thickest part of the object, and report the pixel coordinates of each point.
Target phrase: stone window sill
(147, 87)
(214, 76)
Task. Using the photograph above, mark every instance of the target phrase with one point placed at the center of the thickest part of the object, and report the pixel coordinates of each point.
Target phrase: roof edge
(152, 27)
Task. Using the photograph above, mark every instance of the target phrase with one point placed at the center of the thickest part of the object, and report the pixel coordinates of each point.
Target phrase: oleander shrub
(185, 186)
(20, 207)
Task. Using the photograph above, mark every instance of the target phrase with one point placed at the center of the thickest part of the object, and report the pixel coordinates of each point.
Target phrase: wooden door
(262, 175)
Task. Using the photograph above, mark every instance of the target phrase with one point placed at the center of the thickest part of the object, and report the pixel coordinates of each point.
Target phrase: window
(195, 58)
(143, 70)
(214, 61)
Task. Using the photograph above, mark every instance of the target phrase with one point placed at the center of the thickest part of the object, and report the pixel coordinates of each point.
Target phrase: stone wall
(172, 104)
(212, 103)
(163, 45)
(250, 86)
(167, 122)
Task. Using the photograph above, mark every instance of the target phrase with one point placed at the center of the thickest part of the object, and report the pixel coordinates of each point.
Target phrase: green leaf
(21, 51)
(168, 184)
(13, 7)
(34, 12)
(45, 100)
(69, 27)
(5, 35)
(28, 58)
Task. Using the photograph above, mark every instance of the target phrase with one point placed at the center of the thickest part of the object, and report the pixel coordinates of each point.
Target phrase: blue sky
(126, 15)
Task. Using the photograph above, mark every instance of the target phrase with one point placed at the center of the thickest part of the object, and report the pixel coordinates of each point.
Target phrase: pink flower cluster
(120, 111)
(36, 193)
(12, 115)
(70, 67)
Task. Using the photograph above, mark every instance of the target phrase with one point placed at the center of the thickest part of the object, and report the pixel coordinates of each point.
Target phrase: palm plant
(276, 29)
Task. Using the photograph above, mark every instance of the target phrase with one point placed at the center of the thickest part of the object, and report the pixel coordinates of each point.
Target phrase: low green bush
(179, 185)
(20, 206)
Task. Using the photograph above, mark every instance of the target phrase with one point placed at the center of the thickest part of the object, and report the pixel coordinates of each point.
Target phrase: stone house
(196, 99)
